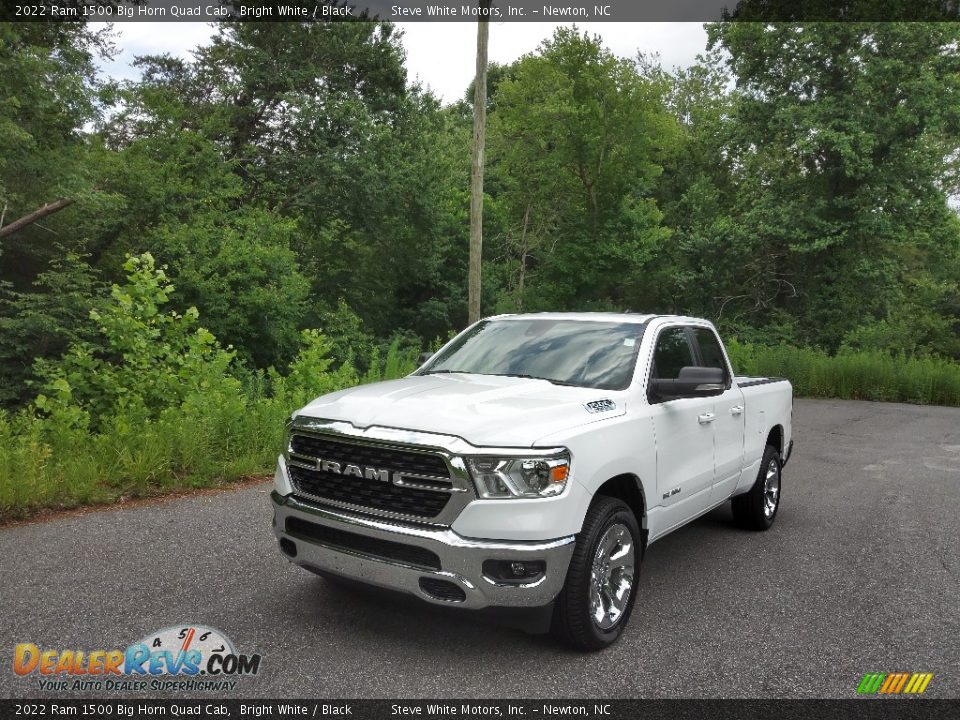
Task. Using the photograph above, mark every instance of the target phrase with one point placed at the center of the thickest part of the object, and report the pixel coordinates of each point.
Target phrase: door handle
(706, 418)
(736, 410)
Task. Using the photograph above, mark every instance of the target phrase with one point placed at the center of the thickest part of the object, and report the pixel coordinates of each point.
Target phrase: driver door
(728, 427)
(683, 434)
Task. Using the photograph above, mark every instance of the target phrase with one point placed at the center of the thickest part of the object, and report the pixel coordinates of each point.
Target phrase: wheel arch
(628, 488)
(775, 438)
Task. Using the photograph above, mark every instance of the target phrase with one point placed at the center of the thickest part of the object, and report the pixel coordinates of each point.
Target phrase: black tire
(572, 619)
(751, 510)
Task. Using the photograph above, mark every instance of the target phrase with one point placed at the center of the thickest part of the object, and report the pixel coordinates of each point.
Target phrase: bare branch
(39, 214)
(49, 230)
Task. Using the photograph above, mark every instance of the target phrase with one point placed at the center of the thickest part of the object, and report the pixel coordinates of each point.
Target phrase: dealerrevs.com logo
(178, 658)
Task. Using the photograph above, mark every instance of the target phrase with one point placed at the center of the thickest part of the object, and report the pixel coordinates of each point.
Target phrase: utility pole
(476, 164)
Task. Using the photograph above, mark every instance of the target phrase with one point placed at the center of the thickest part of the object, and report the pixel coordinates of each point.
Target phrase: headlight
(510, 477)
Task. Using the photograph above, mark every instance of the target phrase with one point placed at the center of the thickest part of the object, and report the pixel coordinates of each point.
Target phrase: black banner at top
(561, 11)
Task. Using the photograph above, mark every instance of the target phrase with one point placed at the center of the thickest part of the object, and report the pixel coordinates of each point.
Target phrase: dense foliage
(155, 403)
(285, 213)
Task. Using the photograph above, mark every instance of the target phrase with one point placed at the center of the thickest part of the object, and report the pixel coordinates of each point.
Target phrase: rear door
(683, 430)
(728, 425)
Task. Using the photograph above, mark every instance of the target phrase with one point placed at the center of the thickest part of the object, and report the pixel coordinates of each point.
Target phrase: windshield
(566, 352)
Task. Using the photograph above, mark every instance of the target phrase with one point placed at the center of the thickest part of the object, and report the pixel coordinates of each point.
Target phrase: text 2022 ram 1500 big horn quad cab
(530, 462)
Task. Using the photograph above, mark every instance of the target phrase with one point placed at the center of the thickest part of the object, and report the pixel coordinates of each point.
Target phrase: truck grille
(363, 492)
(414, 463)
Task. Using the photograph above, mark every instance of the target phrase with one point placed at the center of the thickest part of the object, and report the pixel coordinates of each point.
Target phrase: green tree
(577, 140)
(233, 260)
(240, 269)
(48, 92)
(696, 192)
(316, 124)
(841, 130)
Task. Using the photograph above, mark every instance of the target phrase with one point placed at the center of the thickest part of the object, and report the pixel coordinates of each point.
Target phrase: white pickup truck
(530, 463)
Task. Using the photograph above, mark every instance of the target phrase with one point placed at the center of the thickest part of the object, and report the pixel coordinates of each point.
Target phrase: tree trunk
(591, 199)
(524, 251)
(476, 165)
(40, 214)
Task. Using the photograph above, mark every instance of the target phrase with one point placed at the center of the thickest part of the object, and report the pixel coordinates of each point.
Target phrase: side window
(710, 352)
(673, 352)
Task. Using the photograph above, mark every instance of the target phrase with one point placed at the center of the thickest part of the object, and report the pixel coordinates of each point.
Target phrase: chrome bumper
(461, 559)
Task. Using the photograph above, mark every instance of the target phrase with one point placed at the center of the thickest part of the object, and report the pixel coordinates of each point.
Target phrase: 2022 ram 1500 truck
(530, 463)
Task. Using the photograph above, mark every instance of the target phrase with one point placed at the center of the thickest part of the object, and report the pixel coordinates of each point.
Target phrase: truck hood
(484, 410)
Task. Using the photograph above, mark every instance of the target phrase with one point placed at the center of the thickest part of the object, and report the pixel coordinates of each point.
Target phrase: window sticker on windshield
(629, 342)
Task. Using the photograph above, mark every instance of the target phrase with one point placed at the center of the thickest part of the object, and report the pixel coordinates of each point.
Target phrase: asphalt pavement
(861, 573)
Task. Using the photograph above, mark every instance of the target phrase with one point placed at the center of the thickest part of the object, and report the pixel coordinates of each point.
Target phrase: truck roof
(584, 316)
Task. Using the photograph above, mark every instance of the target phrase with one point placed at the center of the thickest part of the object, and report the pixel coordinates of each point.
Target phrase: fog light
(514, 572)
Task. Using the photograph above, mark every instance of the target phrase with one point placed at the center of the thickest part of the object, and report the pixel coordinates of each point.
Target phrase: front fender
(620, 446)
(599, 451)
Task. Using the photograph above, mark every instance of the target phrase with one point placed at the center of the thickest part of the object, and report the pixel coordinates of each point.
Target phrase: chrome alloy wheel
(611, 578)
(771, 488)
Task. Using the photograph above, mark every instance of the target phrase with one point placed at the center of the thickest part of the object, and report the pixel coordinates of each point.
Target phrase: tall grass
(42, 468)
(856, 376)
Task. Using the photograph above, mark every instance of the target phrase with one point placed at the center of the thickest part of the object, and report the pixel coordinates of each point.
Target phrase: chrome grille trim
(459, 488)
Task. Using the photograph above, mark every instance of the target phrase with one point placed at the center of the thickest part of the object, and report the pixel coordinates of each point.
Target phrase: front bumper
(461, 559)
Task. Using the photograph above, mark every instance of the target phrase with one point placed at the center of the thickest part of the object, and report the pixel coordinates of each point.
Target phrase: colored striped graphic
(894, 683)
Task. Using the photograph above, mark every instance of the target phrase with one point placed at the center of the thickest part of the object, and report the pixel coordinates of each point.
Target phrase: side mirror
(424, 356)
(691, 382)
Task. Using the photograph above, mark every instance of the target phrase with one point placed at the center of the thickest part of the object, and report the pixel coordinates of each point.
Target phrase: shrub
(147, 360)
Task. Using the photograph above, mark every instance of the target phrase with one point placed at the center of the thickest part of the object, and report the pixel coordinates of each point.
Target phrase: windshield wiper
(534, 377)
(440, 372)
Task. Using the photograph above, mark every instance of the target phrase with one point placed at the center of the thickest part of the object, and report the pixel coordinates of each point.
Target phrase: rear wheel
(597, 599)
(757, 509)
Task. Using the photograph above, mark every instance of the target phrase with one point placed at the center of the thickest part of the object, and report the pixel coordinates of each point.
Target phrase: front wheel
(597, 598)
(757, 508)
